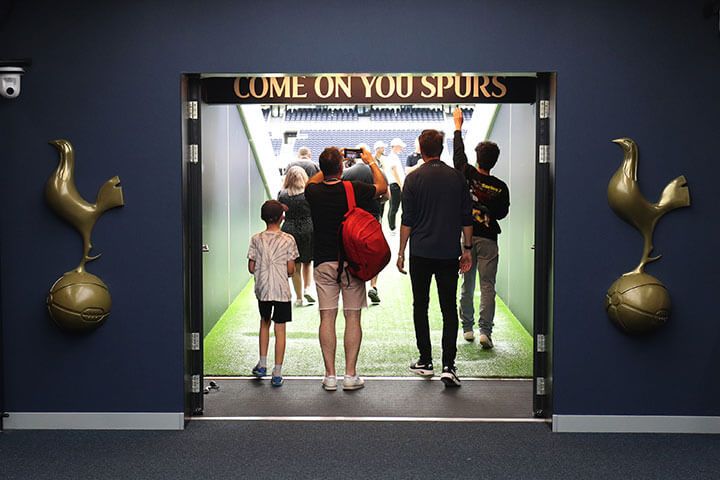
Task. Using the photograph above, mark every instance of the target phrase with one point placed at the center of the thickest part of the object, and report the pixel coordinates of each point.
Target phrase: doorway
(264, 137)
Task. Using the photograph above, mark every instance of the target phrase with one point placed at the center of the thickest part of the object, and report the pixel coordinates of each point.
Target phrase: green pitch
(388, 347)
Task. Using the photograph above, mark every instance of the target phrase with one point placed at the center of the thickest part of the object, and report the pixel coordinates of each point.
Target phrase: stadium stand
(381, 114)
(318, 140)
(391, 122)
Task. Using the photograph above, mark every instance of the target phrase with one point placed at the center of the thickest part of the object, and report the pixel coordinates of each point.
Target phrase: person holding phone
(328, 204)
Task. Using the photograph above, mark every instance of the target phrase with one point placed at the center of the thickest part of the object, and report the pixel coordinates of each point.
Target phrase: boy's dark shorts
(279, 312)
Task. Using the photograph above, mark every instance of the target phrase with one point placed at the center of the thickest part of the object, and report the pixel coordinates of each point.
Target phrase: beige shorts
(328, 289)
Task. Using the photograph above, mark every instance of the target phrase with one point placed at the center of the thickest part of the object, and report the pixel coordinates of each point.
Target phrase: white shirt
(271, 251)
(389, 162)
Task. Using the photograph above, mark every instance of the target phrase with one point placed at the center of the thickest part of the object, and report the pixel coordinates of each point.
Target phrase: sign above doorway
(365, 88)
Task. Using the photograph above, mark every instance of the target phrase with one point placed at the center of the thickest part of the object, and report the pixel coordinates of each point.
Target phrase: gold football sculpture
(79, 301)
(638, 302)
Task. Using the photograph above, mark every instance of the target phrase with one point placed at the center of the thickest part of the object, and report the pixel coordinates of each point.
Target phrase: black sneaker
(423, 369)
(374, 298)
(449, 377)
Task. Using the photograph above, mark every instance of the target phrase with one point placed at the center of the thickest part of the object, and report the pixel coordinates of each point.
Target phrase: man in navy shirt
(436, 209)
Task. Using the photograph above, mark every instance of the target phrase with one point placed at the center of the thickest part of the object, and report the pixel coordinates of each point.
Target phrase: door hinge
(193, 154)
(540, 342)
(540, 386)
(192, 110)
(195, 341)
(544, 153)
(544, 109)
(195, 388)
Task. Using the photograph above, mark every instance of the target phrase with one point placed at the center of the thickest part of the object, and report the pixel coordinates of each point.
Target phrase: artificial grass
(388, 347)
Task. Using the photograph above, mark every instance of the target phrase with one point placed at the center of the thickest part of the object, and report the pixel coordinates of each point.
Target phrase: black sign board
(362, 88)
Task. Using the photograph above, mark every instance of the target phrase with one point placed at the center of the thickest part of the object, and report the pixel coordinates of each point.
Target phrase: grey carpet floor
(307, 450)
(380, 398)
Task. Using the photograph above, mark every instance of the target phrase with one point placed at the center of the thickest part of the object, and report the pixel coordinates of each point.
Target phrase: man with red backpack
(328, 199)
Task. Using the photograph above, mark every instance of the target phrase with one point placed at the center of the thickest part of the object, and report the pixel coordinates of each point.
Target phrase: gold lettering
(425, 82)
(441, 84)
(318, 86)
(458, 86)
(409, 86)
(297, 85)
(343, 83)
(237, 89)
(265, 87)
(390, 90)
(279, 87)
(503, 89)
(368, 83)
(483, 87)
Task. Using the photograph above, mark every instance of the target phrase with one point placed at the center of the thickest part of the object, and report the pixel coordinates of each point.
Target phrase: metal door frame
(544, 227)
(192, 244)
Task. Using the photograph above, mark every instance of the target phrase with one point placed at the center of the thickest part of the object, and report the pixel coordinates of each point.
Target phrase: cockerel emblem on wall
(79, 300)
(638, 302)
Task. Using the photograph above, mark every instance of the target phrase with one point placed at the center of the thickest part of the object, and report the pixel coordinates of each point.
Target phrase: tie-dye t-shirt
(271, 251)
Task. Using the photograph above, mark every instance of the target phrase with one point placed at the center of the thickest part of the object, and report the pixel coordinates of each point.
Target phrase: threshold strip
(369, 378)
(375, 419)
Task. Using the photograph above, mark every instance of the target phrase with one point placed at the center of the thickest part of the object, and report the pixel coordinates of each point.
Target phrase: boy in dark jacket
(491, 201)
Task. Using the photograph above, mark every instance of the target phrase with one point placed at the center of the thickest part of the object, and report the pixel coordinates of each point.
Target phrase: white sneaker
(329, 384)
(485, 341)
(469, 336)
(299, 302)
(353, 383)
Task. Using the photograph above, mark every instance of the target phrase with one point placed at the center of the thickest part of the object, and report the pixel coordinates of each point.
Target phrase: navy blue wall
(106, 76)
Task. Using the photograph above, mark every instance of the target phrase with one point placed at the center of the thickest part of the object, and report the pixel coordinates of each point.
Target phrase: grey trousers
(484, 265)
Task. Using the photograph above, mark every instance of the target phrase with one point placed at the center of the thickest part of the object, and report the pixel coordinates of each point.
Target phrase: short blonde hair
(295, 180)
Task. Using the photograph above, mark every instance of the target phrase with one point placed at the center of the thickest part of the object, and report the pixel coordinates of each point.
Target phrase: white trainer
(353, 383)
(329, 384)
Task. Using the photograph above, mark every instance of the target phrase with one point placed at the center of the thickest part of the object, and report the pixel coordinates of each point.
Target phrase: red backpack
(362, 243)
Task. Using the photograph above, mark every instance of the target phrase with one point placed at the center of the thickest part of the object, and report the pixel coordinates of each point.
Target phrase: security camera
(10, 81)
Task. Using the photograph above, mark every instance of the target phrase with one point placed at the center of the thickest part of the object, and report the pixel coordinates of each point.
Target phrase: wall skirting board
(635, 424)
(94, 421)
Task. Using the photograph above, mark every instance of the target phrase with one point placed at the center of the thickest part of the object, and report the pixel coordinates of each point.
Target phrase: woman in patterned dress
(298, 223)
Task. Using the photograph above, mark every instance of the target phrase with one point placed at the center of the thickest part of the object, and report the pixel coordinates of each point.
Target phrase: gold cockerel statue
(637, 302)
(628, 202)
(66, 201)
(79, 301)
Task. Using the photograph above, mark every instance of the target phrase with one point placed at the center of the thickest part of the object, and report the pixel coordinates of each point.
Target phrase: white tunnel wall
(514, 132)
(233, 192)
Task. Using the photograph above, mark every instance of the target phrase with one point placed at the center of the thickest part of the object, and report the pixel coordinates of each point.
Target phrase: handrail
(251, 142)
(492, 121)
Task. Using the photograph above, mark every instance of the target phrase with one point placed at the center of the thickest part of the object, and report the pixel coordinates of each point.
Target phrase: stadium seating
(318, 140)
(380, 114)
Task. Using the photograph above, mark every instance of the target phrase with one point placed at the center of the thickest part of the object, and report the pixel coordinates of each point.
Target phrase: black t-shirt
(489, 194)
(328, 206)
(413, 159)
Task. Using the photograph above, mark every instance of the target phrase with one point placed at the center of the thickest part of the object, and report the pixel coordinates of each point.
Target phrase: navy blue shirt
(436, 205)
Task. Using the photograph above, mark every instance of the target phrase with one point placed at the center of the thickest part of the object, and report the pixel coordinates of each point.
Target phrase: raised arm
(459, 158)
(378, 178)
